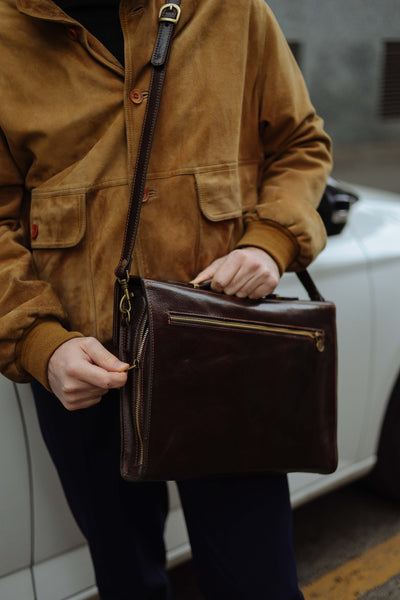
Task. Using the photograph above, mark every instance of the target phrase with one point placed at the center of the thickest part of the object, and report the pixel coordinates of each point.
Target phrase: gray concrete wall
(342, 58)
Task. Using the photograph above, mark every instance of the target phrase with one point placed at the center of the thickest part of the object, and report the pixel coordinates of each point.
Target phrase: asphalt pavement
(347, 546)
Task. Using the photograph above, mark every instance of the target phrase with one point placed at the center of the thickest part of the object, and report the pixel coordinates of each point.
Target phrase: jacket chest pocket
(222, 199)
(228, 193)
(219, 195)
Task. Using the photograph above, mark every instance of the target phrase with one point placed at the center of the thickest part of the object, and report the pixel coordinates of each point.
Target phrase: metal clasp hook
(125, 305)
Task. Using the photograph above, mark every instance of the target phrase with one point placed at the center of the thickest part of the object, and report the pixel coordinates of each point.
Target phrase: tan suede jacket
(239, 158)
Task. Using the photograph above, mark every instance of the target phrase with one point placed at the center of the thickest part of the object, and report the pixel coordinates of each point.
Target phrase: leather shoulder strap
(168, 17)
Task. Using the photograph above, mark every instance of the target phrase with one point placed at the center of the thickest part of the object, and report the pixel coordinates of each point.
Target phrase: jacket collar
(48, 10)
(42, 9)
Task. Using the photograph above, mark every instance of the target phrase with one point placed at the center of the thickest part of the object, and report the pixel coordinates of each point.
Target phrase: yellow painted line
(359, 575)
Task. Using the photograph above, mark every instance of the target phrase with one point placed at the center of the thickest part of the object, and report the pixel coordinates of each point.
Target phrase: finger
(257, 287)
(208, 272)
(101, 357)
(244, 285)
(228, 270)
(79, 404)
(247, 285)
(261, 291)
(77, 390)
(75, 394)
(242, 280)
(258, 284)
(80, 371)
(98, 377)
(232, 273)
(256, 278)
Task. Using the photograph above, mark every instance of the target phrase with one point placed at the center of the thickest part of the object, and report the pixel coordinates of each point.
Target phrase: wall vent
(390, 100)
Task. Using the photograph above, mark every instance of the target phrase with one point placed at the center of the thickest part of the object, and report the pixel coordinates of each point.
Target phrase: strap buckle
(170, 7)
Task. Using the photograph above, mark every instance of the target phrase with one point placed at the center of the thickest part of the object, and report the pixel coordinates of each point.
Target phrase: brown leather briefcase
(221, 385)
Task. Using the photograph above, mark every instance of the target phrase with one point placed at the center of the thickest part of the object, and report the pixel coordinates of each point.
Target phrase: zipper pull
(134, 365)
(319, 341)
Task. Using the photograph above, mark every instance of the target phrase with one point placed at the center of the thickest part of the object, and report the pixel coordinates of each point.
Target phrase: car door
(377, 228)
(15, 500)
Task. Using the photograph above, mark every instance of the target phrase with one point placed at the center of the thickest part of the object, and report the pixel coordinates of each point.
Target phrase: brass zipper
(143, 333)
(316, 335)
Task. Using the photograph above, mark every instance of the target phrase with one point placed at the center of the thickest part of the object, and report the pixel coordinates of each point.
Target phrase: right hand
(81, 371)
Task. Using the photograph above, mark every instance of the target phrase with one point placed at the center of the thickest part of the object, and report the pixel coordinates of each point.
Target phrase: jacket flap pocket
(219, 194)
(57, 221)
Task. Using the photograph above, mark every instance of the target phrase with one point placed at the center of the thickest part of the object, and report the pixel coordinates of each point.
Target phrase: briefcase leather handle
(310, 287)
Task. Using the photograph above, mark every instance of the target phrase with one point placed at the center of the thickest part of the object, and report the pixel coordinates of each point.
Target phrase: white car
(42, 554)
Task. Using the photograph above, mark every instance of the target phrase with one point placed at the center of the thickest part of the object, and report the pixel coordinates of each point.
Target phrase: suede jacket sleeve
(30, 314)
(297, 161)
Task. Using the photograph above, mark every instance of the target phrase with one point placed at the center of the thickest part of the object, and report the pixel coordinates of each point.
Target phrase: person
(238, 166)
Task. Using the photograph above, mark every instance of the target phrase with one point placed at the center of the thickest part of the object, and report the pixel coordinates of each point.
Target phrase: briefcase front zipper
(138, 366)
(317, 335)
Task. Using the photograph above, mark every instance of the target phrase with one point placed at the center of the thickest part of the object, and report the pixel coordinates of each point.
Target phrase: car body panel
(52, 523)
(49, 532)
(376, 224)
(53, 579)
(17, 585)
(15, 489)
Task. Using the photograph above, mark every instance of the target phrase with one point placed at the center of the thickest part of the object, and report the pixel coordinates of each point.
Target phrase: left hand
(81, 371)
(246, 273)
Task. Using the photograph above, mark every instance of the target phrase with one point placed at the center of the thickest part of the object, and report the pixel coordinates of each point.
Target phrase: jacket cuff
(272, 238)
(37, 346)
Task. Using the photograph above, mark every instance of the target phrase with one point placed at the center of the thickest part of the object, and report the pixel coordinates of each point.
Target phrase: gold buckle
(170, 19)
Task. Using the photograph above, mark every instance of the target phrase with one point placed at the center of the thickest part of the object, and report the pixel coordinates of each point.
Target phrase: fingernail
(123, 367)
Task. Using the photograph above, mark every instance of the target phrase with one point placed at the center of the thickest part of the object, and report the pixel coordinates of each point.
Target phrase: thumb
(100, 356)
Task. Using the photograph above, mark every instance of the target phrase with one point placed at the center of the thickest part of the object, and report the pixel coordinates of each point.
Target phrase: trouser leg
(241, 537)
(123, 522)
(240, 528)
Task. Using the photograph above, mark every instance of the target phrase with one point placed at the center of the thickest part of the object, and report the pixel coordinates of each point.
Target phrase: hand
(81, 371)
(246, 273)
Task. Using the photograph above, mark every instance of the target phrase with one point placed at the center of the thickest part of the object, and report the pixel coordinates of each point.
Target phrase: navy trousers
(239, 528)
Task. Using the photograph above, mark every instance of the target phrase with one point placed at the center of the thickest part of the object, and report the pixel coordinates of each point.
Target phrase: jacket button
(136, 96)
(146, 195)
(34, 231)
(72, 33)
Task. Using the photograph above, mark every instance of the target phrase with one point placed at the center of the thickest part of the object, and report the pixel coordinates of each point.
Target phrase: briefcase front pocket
(236, 325)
